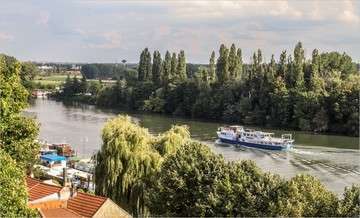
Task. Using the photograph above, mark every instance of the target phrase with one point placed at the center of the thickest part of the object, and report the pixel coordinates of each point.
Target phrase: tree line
(171, 175)
(318, 94)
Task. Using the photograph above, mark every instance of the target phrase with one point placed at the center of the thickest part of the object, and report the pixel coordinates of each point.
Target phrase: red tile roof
(82, 204)
(58, 212)
(85, 204)
(37, 189)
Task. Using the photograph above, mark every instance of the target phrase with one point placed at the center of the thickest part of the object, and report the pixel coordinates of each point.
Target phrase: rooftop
(53, 201)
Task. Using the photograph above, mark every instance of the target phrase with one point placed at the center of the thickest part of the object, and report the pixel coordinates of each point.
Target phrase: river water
(335, 160)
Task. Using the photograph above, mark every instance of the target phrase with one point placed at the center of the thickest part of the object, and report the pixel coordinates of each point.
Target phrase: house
(56, 201)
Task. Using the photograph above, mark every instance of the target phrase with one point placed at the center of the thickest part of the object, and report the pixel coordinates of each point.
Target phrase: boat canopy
(52, 157)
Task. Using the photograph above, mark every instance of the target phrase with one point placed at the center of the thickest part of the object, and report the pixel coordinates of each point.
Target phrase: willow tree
(170, 141)
(128, 159)
(124, 163)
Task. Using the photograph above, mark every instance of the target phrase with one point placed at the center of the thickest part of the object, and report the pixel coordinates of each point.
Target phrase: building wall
(110, 209)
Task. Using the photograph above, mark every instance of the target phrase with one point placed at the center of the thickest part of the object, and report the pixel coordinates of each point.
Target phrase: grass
(57, 79)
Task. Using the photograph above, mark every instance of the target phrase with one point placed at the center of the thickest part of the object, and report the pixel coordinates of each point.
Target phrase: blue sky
(109, 31)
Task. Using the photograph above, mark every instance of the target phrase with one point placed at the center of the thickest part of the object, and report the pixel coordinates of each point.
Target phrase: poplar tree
(233, 62)
(166, 68)
(282, 65)
(142, 67)
(239, 69)
(181, 67)
(299, 60)
(147, 64)
(222, 65)
(173, 74)
(313, 81)
(212, 75)
(156, 68)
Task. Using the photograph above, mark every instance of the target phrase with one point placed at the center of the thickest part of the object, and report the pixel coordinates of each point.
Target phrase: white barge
(237, 135)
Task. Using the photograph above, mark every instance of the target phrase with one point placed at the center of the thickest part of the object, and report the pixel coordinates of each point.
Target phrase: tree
(233, 62)
(222, 65)
(13, 96)
(181, 66)
(212, 67)
(239, 68)
(282, 65)
(157, 69)
(187, 183)
(18, 148)
(84, 86)
(28, 71)
(174, 70)
(144, 69)
(166, 68)
(125, 161)
(350, 204)
(299, 59)
(13, 193)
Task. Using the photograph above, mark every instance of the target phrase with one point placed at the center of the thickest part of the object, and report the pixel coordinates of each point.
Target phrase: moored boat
(237, 135)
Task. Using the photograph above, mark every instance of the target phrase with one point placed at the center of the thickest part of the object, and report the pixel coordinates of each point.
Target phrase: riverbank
(92, 100)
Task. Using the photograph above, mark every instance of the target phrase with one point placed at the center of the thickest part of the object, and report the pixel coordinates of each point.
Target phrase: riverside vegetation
(167, 174)
(320, 94)
(171, 175)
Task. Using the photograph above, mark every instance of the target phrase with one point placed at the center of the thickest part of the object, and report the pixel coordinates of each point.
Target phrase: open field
(52, 79)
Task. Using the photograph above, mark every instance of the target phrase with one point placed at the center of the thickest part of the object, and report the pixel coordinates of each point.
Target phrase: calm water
(332, 159)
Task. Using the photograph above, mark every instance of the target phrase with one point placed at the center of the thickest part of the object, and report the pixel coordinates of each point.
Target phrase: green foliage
(18, 139)
(222, 65)
(194, 181)
(319, 95)
(18, 148)
(13, 96)
(13, 193)
(187, 183)
(125, 161)
(350, 204)
(128, 159)
(157, 68)
(170, 141)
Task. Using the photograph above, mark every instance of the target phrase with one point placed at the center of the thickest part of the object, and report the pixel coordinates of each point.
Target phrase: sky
(109, 31)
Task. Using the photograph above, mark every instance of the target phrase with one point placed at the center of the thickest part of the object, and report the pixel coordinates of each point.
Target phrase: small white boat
(237, 135)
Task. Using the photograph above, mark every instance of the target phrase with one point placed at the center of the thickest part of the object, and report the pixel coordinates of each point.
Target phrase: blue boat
(237, 135)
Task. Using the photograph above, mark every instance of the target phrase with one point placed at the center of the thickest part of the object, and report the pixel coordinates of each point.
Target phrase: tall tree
(222, 65)
(156, 68)
(233, 62)
(147, 65)
(212, 67)
(142, 67)
(181, 66)
(239, 68)
(174, 61)
(166, 68)
(313, 81)
(299, 60)
(125, 161)
(282, 65)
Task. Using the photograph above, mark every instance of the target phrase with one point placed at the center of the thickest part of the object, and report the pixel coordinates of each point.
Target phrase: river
(332, 159)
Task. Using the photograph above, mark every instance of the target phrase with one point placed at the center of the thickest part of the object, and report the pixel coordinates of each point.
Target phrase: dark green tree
(181, 66)
(212, 67)
(157, 69)
(166, 68)
(222, 65)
